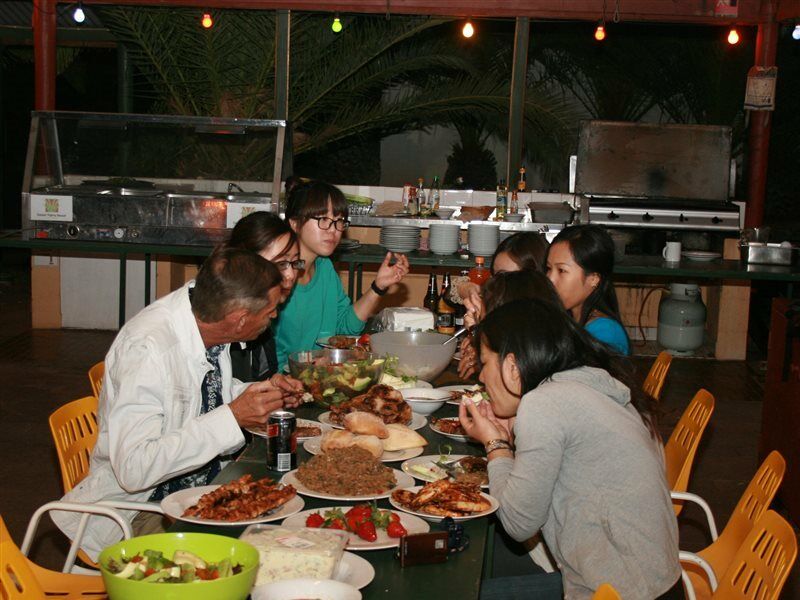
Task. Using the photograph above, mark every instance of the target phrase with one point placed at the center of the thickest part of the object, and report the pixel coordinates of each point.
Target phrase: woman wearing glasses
(268, 235)
(319, 306)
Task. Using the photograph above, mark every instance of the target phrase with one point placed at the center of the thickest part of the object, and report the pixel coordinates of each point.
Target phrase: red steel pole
(760, 123)
(44, 54)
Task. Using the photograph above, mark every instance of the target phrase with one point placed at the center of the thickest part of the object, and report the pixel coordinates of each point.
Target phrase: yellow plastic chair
(754, 502)
(20, 578)
(681, 447)
(760, 566)
(74, 429)
(606, 592)
(654, 382)
(96, 377)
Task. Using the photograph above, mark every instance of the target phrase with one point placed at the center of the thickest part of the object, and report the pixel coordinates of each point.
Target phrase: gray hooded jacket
(588, 474)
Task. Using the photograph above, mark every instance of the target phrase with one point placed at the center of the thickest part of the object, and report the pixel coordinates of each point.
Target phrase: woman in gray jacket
(573, 455)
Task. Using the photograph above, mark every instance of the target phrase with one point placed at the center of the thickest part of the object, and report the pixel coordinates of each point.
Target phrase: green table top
(459, 577)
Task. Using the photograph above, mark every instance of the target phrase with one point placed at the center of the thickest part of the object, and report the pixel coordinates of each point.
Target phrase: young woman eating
(580, 262)
(270, 236)
(319, 306)
(582, 461)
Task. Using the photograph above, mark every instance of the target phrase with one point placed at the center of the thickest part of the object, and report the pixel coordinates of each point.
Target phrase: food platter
(436, 518)
(403, 480)
(312, 446)
(300, 423)
(428, 459)
(700, 255)
(417, 421)
(413, 524)
(453, 436)
(176, 503)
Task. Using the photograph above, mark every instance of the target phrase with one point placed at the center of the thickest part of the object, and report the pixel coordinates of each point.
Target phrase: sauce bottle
(479, 273)
(445, 309)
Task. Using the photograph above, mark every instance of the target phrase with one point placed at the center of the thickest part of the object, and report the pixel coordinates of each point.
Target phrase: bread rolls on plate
(402, 438)
(366, 424)
(340, 438)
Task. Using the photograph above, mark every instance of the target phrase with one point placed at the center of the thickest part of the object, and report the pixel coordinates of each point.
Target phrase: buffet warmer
(149, 178)
(644, 175)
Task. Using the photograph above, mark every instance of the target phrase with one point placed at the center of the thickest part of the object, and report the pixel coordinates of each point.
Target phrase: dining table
(459, 577)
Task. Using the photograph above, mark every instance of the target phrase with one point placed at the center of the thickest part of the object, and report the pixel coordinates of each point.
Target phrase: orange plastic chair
(606, 592)
(754, 502)
(74, 429)
(21, 578)
(761, 564)
(96, 377)
(681, 447)
(654, 382)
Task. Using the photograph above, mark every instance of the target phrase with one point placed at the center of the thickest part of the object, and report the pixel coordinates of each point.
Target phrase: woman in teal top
(318, 306)
(580, 261)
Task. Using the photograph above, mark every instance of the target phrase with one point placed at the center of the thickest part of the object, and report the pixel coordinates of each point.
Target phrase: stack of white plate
(483, 238)
(444, 238)
(400, 238)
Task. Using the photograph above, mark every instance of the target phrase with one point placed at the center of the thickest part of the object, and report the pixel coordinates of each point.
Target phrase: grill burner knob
(683, 219)
(73, 231)
(647, 217)
(612, 216)
(119, 233)
(716, 220)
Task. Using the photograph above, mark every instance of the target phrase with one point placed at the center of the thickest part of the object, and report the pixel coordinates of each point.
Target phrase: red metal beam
(44, 54)
(663, 11)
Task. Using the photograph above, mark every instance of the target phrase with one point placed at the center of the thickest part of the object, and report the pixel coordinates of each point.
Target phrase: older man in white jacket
(170, 411)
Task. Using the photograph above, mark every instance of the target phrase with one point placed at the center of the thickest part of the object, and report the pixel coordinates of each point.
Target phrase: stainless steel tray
(766, 254)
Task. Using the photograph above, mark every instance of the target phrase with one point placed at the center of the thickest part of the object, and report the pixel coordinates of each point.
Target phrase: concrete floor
(43, 369)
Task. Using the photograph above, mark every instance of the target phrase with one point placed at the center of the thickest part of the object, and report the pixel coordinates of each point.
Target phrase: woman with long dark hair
(573, 452)
(580, 263)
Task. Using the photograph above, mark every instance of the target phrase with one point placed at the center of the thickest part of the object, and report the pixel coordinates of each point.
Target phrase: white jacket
(150, 428)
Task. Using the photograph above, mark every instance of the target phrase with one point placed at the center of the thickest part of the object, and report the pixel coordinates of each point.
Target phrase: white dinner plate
(291, 479)
(417, 421)
(701, 255)
(175, 504)
(428, 460)
(412, 524)
(324, 343)
(291, 589)
(454, 436)
(494, 506)
(300, 423)
(312, 446)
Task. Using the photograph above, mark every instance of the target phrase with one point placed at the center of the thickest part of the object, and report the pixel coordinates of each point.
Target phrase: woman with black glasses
(319, 307)
(270, 236)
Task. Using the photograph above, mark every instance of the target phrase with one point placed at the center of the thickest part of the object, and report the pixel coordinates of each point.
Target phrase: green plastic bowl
(209, 547)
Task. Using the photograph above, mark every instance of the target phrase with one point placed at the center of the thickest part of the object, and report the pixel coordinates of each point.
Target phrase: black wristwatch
(377, 290)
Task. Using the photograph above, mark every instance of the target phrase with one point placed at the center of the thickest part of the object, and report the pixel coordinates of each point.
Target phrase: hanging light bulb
(78, 15)
(600, 32)
(796, 32)
(336, 26)
(468, 30)
(207, 22)
(733, 36)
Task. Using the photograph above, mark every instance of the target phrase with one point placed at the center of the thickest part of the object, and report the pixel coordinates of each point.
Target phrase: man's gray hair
(231, 279)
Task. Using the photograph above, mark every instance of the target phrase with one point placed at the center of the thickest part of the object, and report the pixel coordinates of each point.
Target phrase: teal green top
(318, 309)
(611, 333)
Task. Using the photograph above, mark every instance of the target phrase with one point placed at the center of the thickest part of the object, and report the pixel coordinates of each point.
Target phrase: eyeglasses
(326, 222)
(285, 265)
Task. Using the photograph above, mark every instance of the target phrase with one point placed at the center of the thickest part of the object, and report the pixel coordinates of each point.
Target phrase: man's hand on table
(252, 406)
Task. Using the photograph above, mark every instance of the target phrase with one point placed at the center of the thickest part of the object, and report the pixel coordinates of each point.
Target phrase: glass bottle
(479, 274)
(513, 208)
(445, 309)
(502, 200)
(421, 197)
(461, 310)
(522, 183)
(435, 193)
(431, 300)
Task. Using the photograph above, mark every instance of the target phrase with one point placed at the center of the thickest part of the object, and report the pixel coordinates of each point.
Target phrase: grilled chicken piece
(241, 500)
(444, 498)
(381, 400)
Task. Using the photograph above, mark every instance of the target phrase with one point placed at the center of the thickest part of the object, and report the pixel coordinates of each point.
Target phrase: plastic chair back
(74, 429)
(654, 382)
(761, 565)
(606, 592)
(96, 377)
(16, 576)
(681, 447)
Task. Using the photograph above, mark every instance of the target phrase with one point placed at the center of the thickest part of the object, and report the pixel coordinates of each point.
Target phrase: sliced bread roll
(402, 438)
(366, 424)
(338, 438)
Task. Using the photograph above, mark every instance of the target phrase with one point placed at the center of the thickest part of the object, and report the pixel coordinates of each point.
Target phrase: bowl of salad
(178, 566)
(333, 375)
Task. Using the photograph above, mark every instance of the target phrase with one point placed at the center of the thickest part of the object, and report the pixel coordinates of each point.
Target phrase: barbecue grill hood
(149, 178)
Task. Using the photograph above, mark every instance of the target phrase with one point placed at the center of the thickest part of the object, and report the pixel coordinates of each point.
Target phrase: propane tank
(681, 318)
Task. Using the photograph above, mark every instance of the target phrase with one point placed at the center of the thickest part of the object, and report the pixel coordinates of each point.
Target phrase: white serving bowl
(292, 589)
(425, 401)
(514, 217)
(445, 213)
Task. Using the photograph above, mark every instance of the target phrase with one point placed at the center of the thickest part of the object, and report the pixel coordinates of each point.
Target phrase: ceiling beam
(662, 11)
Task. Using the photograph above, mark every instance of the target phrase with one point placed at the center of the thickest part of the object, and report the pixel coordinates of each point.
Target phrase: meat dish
(449, 425)
(241, 500)
(350, 471)
(444, 498)
(381, 400)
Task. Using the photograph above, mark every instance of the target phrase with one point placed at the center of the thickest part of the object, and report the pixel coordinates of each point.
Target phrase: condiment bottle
(514, 206)
(431, 300)
(445, 310)
(435, 193)
(502, 200)
(461, 310)
(479, 274)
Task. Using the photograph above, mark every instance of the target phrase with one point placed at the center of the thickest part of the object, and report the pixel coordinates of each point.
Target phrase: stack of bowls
(400, 238)
(483, 238)
(444, 238)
